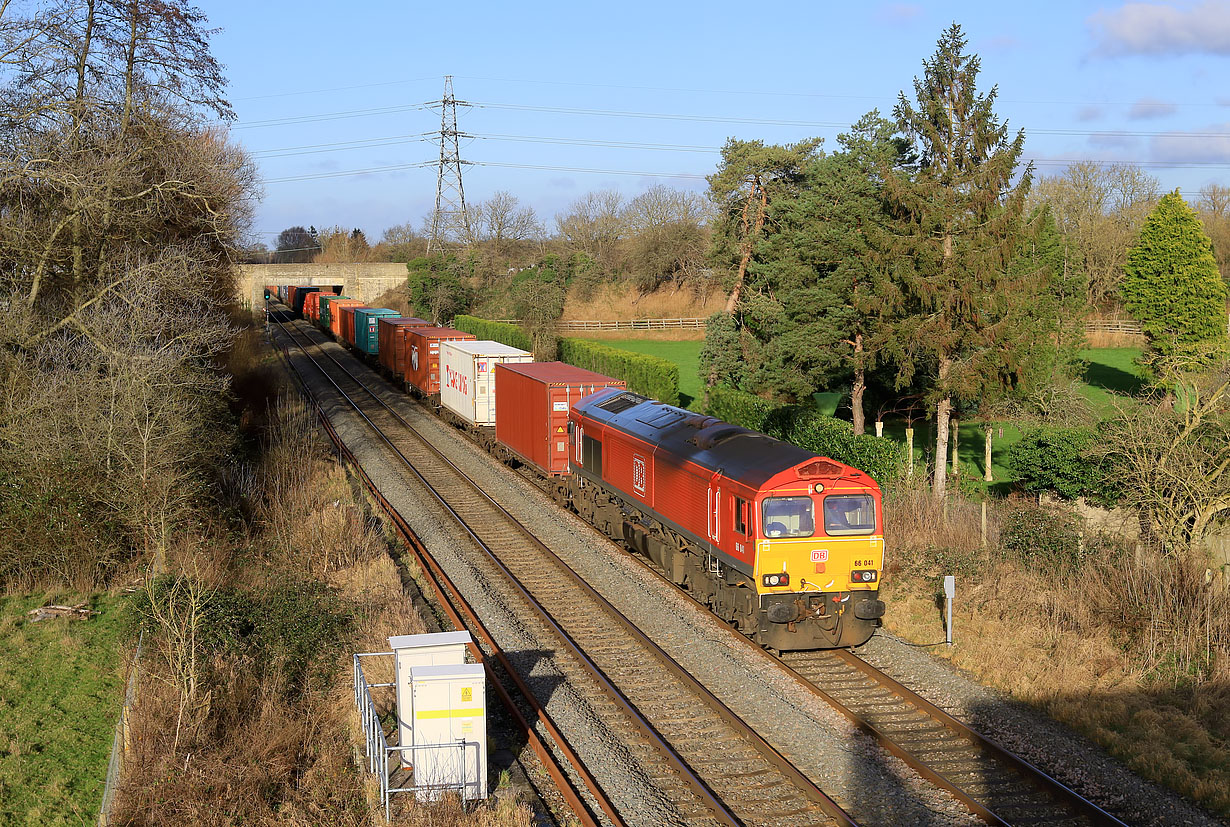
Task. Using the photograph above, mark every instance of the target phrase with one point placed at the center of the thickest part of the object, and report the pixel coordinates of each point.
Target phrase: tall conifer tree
(1172, 286)
(962, 216)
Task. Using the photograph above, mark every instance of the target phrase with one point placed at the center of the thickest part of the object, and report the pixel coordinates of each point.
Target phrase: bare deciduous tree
(1173, 461)
(593, 224)
(1099, 208)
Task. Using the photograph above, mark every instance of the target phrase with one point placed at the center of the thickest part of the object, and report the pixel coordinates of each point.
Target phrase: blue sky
(316, 93)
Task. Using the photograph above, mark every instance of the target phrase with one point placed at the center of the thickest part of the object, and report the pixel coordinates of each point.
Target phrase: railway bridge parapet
(360, 281)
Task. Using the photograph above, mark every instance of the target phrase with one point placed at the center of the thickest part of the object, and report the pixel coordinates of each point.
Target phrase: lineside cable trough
(441, 718)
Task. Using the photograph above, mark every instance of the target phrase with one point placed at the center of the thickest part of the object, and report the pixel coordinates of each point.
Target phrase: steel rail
(439, 581)
(767, 751)
(1035, 776)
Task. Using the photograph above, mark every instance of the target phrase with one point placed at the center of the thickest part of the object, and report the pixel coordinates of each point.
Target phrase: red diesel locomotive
(783, 543)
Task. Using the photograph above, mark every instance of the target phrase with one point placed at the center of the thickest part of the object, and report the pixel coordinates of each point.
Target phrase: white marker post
(950, 589)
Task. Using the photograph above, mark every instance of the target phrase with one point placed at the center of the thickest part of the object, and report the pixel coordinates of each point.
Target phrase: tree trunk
(986, 458)
(939, 480)
(748, 242)
(860, 386)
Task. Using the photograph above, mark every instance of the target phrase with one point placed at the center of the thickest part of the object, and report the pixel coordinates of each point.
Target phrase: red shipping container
(335, 315)
(311, 304)
(391, 341)
(531, 409)
(422, 361)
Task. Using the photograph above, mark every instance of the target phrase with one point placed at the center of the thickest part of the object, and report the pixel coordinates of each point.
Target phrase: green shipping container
(324, 309)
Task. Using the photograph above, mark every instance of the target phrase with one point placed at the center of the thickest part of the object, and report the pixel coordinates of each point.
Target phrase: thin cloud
(1212, 145)
(899, 13)
(1149, 108)
(1003, 43)
(1154, 29)
(1089, 113)
(1113, 142)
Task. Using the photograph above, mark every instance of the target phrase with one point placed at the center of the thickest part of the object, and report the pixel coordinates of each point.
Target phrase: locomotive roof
(739, 453)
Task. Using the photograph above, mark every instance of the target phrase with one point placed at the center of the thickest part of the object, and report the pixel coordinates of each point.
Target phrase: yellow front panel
(824, 563)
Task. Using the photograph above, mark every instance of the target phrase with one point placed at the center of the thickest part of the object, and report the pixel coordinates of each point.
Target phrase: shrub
(649, 375)
(502, 332)
(828, 436)
(1060, 460)
(294, 627)
(807, 428)
(1045, 539)
(739, 407)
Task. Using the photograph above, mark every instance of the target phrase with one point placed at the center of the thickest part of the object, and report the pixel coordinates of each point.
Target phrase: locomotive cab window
(849, 514)
(788, 517)
(741, 516)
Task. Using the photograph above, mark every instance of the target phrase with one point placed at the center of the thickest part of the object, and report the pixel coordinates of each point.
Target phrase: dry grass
(1100, 339)
(620, 301)
(1131, 649)
(397, 299)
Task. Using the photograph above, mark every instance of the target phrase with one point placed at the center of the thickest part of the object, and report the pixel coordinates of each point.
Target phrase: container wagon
(391, 336)
(467, 383)
(422, 363)
(531, 410)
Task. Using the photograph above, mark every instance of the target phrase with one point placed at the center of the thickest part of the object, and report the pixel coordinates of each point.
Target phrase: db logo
(820, 555)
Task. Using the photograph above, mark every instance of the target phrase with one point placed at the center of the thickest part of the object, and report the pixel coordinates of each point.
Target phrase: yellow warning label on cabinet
(467, 694)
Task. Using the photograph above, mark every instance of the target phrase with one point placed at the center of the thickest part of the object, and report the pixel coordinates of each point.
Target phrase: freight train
(786, 545)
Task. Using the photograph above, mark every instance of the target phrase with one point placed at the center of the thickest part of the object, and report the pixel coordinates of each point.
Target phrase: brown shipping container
(531, 409)
(391, 341)
(335, 315)
(348, 322)
(422, 360)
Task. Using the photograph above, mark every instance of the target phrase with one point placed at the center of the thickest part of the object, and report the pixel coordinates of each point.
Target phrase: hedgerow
(502, 332)
(649, 375)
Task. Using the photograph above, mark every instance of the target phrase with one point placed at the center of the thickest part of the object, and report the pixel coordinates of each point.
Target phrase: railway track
(994, 784)
(707, 765)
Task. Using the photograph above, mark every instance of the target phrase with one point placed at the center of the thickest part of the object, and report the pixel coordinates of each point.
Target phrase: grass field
(60, 693)
(685, 354)
(1111, 372)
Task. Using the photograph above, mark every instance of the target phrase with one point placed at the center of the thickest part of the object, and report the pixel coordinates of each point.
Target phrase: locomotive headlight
(782, 579)
(863, 576)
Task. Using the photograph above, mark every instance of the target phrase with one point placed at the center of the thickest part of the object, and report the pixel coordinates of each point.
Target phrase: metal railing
(377, 749)
(122, 742)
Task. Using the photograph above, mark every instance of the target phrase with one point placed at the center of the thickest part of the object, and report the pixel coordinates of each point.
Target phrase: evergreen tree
(1172, 286)
(821, 289)
(964, 326)
(749, 181)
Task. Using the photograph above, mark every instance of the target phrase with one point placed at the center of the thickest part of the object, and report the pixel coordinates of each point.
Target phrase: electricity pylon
(450, 213)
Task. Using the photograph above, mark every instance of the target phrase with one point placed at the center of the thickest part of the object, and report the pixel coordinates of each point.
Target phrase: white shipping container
(467, 377)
